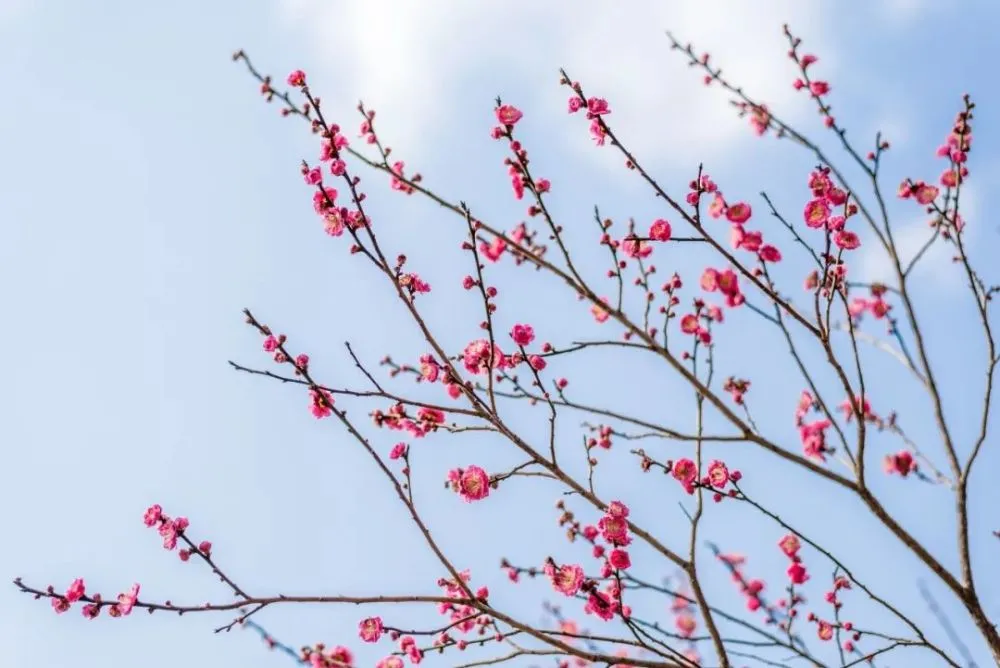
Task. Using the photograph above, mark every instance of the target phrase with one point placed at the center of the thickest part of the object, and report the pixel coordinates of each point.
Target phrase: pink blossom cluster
(716, 478)
(790, 546)
(595, 108)
(812, 434)
(829, 209)
(876, 305)
(77, 591)
(397, 418)
(319, 656)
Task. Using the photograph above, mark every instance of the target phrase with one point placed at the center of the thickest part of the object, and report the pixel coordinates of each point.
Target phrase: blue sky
(149, 195)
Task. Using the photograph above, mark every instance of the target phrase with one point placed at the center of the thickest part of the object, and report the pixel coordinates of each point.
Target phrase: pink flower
(902, 463)
(846, 240)
(618, 509)
(324, 199)
(370, 629)
(567, 579)
(127, 601)
(689, 324)
(636, 248)
(270, 344)
(297, 78)
(718, 474)
(824, 630)
(522, 334)
(614, 530)
(816, 212)
(474, 484)
(597, 106)
(619, 559)
(59, 604)
(152, 515)
(398, 450)
(321, 403)
(659, 230)
(760, 119)
(769, 253)
(390, 662)
(429, 369)
(600, 604)
(508, 114)
(76, 591)
(314, 176)
(430, 415)
(340, 656)
(797, 573)
(738, 213)
(685, 625)
(684, 470)
(600, 314)
(717, 207)
(925, 194)
(537, 362)
(819, 88)
(597, 132)
(478, 358)
(543, 185)
(574, 105)
(710, 280)
(205, 547)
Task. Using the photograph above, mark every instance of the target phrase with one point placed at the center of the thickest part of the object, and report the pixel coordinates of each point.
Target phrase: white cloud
(409, 59)
(911, 236)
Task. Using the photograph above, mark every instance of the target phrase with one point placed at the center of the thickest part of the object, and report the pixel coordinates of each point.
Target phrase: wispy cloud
(912, 235)
(407, 59)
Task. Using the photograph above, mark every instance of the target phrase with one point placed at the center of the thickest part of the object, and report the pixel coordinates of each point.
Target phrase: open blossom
(618, 509)
(819, 88)
(846, 240)
(740, 238)
(718, 474)
(614, 530)
(321, 404)
(636, 248)
(659, 230)
(477, 357)
(817, 212)
(473, 484)
(684, 470)
(598, 106)
(508, 114)
(738, 213)
(126, 602)
(398, 450)
(76, 591)
(600, 604)
(619, 559)
(600, 314)
(152, 515)
(566, 579)
(297, 78)
(370, 629)
(790, 545)
(522, 334)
